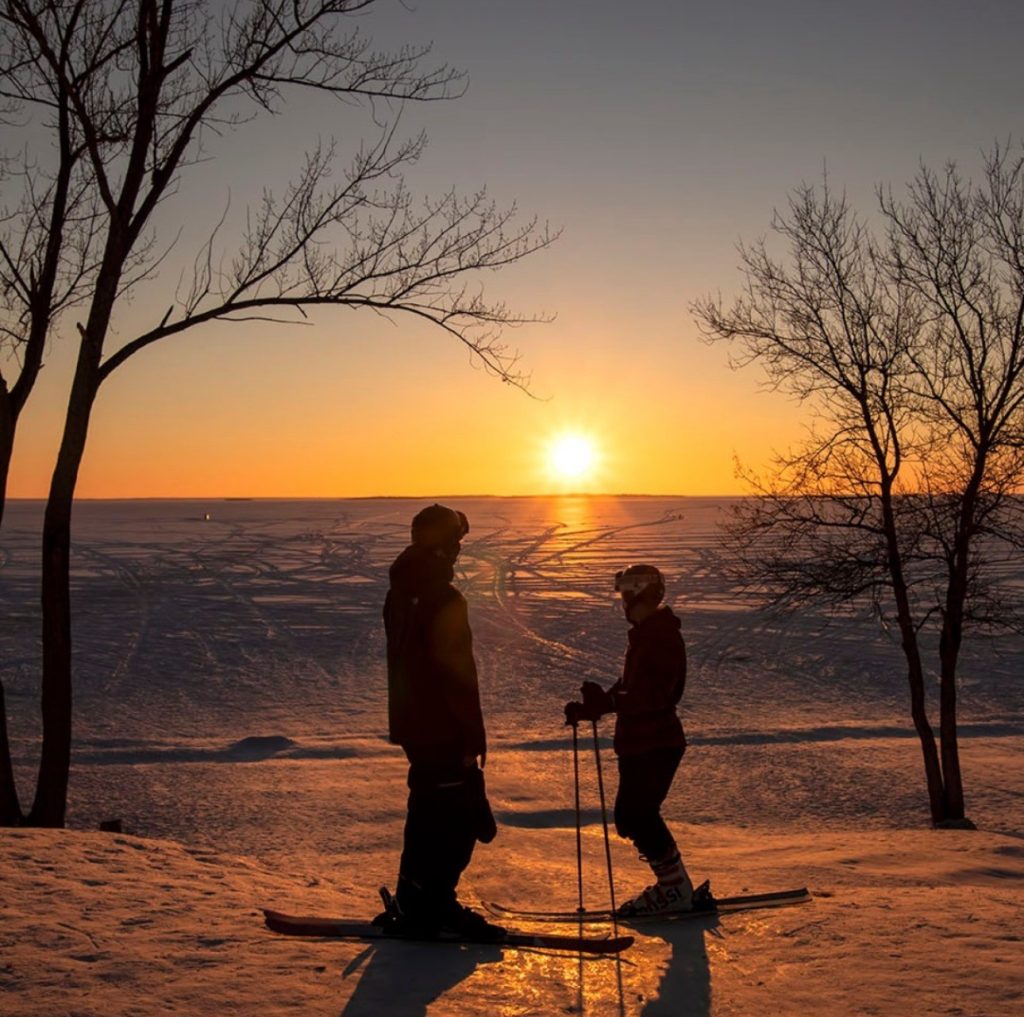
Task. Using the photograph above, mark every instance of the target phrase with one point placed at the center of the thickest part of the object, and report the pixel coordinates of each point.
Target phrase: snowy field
(230, 697)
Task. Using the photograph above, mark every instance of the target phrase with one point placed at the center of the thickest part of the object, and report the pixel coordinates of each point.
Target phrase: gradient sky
(656, 134)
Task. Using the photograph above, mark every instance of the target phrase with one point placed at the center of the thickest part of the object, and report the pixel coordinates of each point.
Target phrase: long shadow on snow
(544, 819)
(404, 979)
(825, 733)
(254, 749)
(685, 986)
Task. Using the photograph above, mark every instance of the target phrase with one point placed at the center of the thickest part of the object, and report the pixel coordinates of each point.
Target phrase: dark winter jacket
(433, 695)
(652, 683)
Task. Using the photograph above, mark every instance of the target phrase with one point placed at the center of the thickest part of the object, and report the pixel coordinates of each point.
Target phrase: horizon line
(372, 497)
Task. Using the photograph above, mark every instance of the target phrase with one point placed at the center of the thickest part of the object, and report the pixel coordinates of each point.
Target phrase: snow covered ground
(230, 705)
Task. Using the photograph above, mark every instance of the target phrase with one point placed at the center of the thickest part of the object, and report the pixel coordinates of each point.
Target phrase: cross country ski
(718, 905)
(340, 928)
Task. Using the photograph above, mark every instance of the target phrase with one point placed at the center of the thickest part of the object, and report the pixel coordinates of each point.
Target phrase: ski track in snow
(195, 636)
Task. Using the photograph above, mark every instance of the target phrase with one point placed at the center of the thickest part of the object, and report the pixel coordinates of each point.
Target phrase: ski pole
(604, 823)
(579, 841)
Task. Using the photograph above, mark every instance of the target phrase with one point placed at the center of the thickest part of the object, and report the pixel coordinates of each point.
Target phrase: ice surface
(229, 632)
(230, 694)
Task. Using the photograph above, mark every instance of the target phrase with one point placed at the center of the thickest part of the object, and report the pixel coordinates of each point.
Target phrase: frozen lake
(230, 684)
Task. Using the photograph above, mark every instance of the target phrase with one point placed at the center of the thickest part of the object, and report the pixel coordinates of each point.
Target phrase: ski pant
(448, 813)
(644, 781)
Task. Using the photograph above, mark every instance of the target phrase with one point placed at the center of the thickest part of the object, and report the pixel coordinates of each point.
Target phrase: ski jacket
(433, 695)
(652, 683)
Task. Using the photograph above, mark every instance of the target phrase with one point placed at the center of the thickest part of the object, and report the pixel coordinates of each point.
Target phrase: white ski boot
(659, 900)
(671, 894)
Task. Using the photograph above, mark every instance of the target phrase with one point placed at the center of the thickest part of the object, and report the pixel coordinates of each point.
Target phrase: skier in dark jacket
(434, 714)
(649, 739)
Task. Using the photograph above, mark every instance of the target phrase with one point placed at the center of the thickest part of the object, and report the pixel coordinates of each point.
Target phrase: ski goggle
(634, 583)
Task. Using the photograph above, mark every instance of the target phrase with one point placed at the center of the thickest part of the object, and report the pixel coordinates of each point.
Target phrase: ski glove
(485, 828)
(576, 711)
(596, 700)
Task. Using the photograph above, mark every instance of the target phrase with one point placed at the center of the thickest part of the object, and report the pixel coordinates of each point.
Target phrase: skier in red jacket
(649, 740)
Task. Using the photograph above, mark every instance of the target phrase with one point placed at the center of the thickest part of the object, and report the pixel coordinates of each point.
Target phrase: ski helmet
(640, 581)
(437, 525)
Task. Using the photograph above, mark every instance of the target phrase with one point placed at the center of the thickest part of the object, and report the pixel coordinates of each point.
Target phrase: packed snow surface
(230, 710)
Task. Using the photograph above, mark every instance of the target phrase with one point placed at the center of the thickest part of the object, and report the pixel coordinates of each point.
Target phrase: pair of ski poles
(581, 910)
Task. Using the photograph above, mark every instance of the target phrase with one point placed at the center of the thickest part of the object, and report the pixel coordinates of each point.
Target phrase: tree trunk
(918, 709)
(950, 641)
(932, 770)
(50, 803)
(954, 797)
(912, 653)
(55, 762)
(8, 421)
(10, 807)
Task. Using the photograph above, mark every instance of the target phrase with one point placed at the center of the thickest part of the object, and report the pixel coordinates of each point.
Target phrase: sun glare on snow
(572, 457)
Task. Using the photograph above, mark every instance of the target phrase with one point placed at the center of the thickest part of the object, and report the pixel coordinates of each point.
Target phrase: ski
(339, 928)
(722, 905)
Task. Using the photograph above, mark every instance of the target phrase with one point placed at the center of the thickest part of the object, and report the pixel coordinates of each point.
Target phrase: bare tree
(46, 245)
(147, 82)
(906, 346)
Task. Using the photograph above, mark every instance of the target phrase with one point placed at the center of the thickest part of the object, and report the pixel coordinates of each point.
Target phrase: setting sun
(572, 457)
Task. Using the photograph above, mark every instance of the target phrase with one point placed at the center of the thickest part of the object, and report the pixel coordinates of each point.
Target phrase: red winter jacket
(652, 683)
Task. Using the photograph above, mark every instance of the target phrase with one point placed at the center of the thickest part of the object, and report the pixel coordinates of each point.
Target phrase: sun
(572, 456)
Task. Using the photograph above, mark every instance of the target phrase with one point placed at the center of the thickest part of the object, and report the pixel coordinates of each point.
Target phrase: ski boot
(393, 921)
(673, 891)
(464, 923)
(452, 921)
(658, 900)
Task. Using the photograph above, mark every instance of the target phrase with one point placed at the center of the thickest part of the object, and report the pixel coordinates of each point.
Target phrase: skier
(434, 715)
(649, 740)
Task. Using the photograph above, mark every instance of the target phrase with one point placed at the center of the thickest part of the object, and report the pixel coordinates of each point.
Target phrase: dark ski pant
(644, 782)
(448, 813)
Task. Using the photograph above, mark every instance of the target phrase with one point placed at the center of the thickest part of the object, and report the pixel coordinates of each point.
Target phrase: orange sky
(655, 143)
(391, 410)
